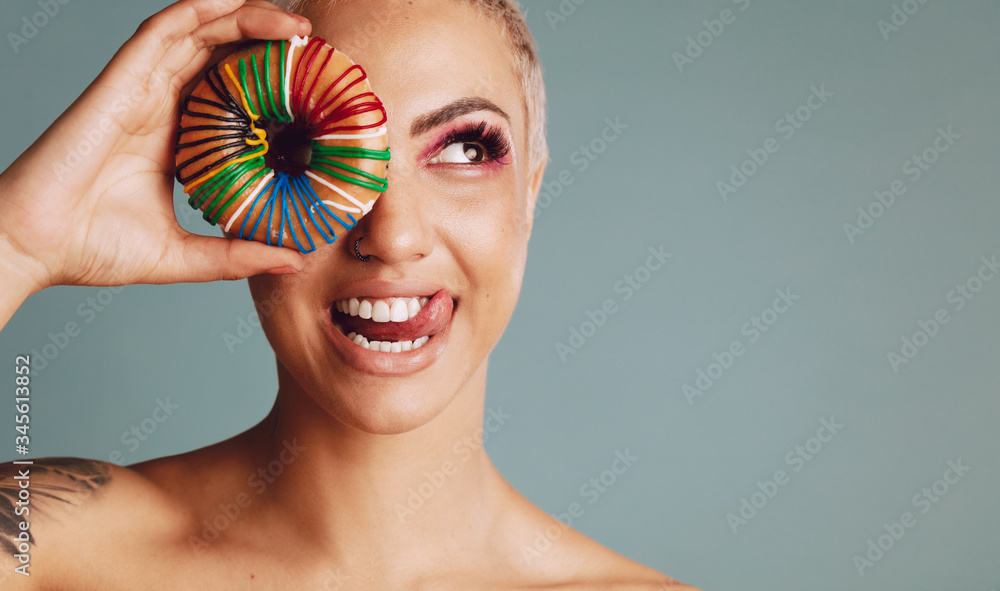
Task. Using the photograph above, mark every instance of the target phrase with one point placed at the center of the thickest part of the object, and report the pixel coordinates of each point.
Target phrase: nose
(397, 229)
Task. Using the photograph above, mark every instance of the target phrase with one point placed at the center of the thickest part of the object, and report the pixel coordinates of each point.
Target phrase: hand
(105, 216)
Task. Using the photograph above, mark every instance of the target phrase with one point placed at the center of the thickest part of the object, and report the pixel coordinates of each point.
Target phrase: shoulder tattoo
(46, 487)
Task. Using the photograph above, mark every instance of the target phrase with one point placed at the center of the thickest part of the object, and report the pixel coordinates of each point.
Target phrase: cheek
(281, 319)
(487, 220)
(489, 238)
(269, 295)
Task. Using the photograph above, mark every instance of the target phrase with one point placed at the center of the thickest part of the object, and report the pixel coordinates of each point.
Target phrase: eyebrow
(453, 110)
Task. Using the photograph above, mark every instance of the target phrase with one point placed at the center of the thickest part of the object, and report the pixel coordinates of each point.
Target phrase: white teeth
(380, 311)
(387, 346)
(395, 309)
(399, 311)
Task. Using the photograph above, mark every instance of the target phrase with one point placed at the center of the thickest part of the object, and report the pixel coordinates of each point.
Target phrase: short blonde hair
(514, 29)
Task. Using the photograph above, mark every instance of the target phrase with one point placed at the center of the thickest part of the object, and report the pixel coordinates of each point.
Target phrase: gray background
(656, 185)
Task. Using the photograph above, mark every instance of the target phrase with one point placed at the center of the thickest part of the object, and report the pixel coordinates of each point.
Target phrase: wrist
(23, 275)
(19, 281)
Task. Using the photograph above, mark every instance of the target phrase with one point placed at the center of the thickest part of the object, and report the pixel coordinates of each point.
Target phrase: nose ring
(357, 252)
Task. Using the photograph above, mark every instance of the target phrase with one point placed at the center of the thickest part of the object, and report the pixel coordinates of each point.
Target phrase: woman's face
(456, 217)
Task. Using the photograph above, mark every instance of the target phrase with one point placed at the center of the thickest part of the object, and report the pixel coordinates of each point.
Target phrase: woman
(315, 495)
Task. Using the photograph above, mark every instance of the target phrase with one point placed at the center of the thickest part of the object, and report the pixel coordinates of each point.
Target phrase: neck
(397, 500)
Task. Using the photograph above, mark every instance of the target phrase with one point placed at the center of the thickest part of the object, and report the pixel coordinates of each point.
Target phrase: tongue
(431, 319)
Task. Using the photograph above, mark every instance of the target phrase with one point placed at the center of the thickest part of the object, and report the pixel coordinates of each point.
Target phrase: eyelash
(492, 139)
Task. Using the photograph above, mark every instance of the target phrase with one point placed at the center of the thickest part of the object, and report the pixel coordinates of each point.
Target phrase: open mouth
(392, 324)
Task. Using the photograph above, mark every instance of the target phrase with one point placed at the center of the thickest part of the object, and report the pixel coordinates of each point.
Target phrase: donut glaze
(302, 89)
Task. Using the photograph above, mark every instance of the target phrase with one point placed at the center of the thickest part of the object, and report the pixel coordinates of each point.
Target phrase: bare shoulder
(625, 582)
(552, 555)
(55, 512)
(598, 567)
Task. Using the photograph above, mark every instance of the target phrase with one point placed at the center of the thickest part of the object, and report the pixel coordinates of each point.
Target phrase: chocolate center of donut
(290, 150)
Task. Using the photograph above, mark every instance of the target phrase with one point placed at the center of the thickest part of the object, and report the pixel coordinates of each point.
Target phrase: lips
(432, 319)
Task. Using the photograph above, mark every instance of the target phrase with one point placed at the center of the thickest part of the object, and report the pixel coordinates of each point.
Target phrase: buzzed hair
(514, 30)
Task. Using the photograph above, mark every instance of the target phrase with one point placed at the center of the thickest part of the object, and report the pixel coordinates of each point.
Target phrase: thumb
(207, 258)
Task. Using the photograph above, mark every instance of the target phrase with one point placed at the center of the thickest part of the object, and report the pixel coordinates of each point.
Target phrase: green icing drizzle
(256, 79)
(221, 183)
(327, 165)
(246, 91)
(267, 80)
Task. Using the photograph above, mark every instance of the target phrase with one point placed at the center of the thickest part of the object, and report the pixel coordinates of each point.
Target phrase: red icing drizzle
(355, 106)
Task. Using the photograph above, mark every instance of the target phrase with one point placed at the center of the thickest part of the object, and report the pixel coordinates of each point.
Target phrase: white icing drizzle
(260, 186)
(353, 136)
(365, 208)
(294, 42)
(312, 208)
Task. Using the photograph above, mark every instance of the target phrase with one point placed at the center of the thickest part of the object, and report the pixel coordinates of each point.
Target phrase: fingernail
(286, 270)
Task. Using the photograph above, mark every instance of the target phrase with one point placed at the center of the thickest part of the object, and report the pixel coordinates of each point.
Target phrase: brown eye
(460, 153)
(473, 152)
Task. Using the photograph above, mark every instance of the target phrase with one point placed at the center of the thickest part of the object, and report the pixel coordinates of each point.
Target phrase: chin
(378, 405)
(384, 410)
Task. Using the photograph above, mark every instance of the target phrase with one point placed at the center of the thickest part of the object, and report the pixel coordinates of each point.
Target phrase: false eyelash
(491, 138)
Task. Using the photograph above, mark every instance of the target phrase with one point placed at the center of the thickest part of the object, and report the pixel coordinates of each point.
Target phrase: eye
(460, 153)
(474, 144)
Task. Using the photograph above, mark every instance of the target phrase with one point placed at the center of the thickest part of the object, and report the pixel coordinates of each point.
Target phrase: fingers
(158, 33)
(171, 39)
(210, 259)
(251, 22)
(192, 53)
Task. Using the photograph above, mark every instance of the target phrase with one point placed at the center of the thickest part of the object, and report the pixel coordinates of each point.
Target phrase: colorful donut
(327, 159)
